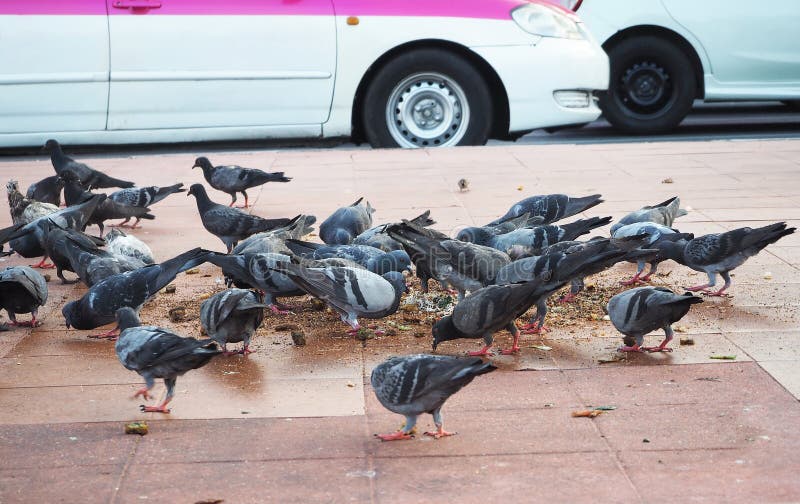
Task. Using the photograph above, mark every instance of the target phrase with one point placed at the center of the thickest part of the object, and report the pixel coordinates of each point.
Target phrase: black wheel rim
(645, 89)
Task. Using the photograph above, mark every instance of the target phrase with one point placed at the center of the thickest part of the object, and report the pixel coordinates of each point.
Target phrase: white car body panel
(175, 77)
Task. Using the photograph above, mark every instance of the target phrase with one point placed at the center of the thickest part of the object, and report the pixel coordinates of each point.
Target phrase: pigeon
(723, 252)
(464, 266)
(142, 197)
(633, 245)
(659, 238)
(371, 258)
(532, 240)
(229, 224)
(377, 237)
(72, 250)
(663, 213)
(88, 177)
(552, 207)
(275, 240)
(257, 271)
(415, 384)
(154, 352)
(232, 316)
(346, 223)
(562, 268)
(641, 310)
(351, 292)
(123, 245)
(24, 210)
(134, 288)
(488, 310)
(473, 233)
(47, 190)
(108, 209)
(22, 290)
(233, 179)
(28, 240)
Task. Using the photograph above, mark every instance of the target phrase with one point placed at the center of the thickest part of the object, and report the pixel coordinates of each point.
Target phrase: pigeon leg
(43, 264)
(162, 408)
(576, 287)
(31, 323)
(440, 432)
(712, 281)
(233, 200)
(278, 311)
(110, 335)
(634, 348)
(145, 391)
(121, 224)
(136, 224)
(483, 352)
(663, 346)
(246, 202)
(635, 279)
(567, 298)
(60, 274)
(512, 328)
(653, 268)
(725, 276)
(404, 433)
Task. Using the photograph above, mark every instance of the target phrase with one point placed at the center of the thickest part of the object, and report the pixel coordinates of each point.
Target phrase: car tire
(652, 88)
(427, 98)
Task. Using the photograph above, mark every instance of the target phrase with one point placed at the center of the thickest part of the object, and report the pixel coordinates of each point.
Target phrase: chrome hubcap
(427, 110)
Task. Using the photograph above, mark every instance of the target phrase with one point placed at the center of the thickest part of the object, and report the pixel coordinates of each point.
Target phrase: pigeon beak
(195, 166)
(68, 326)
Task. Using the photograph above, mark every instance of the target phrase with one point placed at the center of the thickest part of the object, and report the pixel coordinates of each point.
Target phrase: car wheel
(652, 86)
(427, 98)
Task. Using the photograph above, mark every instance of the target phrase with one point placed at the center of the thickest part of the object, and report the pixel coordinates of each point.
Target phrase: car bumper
(532, 74)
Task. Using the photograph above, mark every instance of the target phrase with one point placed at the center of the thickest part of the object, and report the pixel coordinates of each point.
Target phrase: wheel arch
(669, 35)
(499, 96)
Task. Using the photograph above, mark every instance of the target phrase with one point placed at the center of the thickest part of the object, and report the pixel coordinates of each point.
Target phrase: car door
(200, 63)
(746, 42)
(53, 66)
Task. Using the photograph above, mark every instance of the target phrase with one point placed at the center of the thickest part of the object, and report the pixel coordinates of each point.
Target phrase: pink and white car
(413, 73)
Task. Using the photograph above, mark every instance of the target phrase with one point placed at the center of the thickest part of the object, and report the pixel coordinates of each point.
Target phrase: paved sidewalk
(290, 424)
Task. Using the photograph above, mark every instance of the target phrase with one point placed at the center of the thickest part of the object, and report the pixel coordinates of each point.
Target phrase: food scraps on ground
(177, 314)
(299, 338)
(686, 342)
(587, 413)
(136, 428)
(722, 357)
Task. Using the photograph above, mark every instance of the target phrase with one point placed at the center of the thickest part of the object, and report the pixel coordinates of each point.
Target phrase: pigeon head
(397, 280)
(127, 318)
(474, 235)
(396, 260)
(12, 186)
(51, 146)
(70, 313)
(444, 330)
(114, 234)
(202, 162)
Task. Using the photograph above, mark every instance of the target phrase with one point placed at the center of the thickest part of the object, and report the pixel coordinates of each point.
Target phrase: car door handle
(136, 4)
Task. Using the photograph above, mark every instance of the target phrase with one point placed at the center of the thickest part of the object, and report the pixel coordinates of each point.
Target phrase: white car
(415, 73)
(666, 53)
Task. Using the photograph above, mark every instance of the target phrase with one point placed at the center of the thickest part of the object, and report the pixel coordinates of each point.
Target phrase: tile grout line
(124, 472)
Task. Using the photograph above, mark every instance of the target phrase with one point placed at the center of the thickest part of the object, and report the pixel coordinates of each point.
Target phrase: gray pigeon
(663, 213)
(415, 384)
(22, 290)
(28, 240)
(551, 207)
(723, 252)
(154, 352)
(473, 234)
(375, 260)
(659, 238)
(142, 197)
(24, 210)
(123, 245)
(233, 179)
(89, 178)
(346, 223)
(377, 237)
(229, 224)
(275, 240)
(108, 209)
(464, 266)
(639, 311)
(132, 289)
(232, 316)
(532, 240)
(47, 190)
(257, 271)
(72, 250)
(487, 311)
(351, 292)
(560, 268)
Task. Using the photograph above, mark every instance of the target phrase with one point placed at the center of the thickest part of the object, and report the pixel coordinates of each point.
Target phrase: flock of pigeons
(499, 272)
